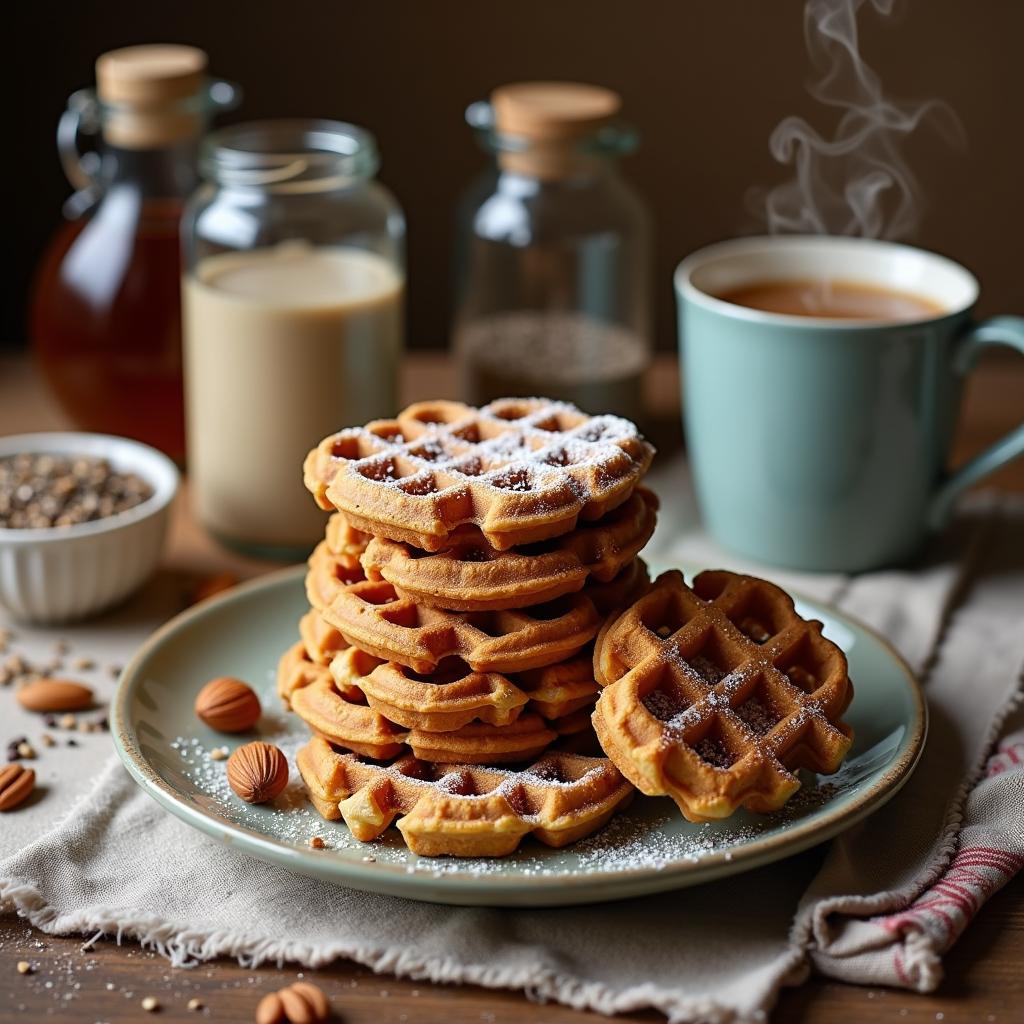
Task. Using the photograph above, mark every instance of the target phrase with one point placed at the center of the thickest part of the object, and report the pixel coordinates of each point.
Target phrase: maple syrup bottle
(105, 318)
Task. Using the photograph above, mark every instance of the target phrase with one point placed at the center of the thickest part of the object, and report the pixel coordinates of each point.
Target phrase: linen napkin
(867, 908)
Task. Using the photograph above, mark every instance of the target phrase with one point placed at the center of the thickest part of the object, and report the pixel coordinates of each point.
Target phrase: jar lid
(147, 90)
(550, 111)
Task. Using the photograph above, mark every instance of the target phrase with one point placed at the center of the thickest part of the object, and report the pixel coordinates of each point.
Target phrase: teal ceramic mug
(821, 443)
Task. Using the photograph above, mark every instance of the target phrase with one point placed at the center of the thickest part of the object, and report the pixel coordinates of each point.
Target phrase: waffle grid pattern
(340, 713)
(446, 701)
(517, 470)
(468, 575)
(715, 695)
(372, 616)
(461, 810)
(322, 641)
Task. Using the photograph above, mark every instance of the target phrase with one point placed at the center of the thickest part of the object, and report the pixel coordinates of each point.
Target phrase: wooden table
(106, 982)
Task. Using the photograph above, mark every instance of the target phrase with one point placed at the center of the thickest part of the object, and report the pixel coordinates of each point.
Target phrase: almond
(270, 1010)
(301, 1003)
(50, 695)
(257, 772)
(228, 705)
(16, 783)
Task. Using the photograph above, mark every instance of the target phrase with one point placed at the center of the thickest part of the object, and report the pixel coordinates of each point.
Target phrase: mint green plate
(648, 848)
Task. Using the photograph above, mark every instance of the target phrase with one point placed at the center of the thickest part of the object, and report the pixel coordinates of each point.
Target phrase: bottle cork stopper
(145, 88)
(550, 117)
(553, 110)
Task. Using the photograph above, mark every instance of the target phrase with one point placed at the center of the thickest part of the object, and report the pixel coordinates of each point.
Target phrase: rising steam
(858, 182)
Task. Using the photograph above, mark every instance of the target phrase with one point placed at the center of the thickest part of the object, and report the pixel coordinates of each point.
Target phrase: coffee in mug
(833, 300)
(819, 440)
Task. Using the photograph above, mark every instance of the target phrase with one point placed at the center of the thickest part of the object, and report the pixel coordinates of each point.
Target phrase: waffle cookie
(464, 811)
(517, 471)
(449, 700)
(619, 593)
(482, 743)
(370, 615)
(440, 702)
(321, 640)
(337, 712)
(470, 576)
(716, 695)
(558, 692)
(346, 721)
(346, 543)
(296, 669)
(340, 713)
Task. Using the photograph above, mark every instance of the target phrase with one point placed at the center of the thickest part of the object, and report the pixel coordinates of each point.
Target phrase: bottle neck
(555, 164)
(168, 172)
(574, 154)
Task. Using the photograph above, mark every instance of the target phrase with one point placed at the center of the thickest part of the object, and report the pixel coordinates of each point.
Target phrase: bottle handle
(998, 330)
(82, 117)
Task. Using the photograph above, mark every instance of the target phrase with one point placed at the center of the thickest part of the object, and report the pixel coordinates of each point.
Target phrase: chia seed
(45, 491)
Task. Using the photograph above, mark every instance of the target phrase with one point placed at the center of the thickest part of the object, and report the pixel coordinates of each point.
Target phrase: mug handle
(998, 330)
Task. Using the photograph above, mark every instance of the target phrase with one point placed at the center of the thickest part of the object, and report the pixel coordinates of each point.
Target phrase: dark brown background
(705, 82)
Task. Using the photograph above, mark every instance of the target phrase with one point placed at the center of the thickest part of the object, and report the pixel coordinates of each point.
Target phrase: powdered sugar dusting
(757, 716)
(714, 752)
(649, 835)
(522, 445)
(664, 706)
(651, 838)
(290, 817)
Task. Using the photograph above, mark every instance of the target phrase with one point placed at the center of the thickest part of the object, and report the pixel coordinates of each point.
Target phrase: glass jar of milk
(293, 319)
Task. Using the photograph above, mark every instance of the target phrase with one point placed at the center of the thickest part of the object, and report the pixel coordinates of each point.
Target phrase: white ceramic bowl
(58, 574)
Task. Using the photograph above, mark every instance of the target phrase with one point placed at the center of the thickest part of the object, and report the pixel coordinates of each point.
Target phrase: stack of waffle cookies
(446, 665)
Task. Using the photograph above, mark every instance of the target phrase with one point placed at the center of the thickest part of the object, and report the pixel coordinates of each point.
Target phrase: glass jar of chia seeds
(553, 253)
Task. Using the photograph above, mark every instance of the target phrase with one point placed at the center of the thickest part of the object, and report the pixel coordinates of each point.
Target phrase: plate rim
(449, 886)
